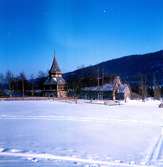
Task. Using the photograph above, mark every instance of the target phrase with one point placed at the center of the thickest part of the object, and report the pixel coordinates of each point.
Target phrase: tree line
(21, 85)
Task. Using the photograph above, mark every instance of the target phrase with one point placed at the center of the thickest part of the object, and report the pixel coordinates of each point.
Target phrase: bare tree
(116, 85)
(2, 78)
(32, 84)
(42, 74)
(127, 92)
(157, 92)
(22, 77)
(156, 89)
(41, 77)
(9, 79)
(103, 77)
(80, 67)
(98, 84)
(1, 84)
(143, 87)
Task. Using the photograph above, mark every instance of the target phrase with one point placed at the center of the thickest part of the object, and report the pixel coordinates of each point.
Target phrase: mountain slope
(127, 67)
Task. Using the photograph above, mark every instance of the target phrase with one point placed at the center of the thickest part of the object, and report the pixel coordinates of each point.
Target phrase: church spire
(54, 70)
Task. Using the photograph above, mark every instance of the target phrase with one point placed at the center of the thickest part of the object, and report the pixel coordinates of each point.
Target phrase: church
(55, 85)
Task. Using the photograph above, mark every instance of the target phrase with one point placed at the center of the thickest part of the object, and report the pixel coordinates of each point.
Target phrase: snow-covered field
(61, 134)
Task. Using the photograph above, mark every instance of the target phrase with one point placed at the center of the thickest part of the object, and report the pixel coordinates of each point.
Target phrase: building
(55, 85)
(112, 91)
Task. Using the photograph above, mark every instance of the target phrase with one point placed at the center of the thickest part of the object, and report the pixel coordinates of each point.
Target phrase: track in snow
(82, 119)
(69, 159)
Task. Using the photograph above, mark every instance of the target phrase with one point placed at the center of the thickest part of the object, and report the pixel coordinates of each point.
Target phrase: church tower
(55, 85)
(55, 70)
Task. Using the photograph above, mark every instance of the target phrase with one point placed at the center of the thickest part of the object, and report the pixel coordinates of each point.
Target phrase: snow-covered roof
(105, 87)
(54, 81)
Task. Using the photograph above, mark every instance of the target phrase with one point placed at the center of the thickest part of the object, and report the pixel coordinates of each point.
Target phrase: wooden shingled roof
(55, 67)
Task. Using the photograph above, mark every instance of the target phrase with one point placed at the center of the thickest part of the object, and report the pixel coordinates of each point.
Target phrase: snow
(105, 87)
(62, 133)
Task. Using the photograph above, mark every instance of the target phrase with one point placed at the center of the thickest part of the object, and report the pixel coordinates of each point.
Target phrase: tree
(157, 92)
(22, 78)
(32, 84)
(9, 79)
(156, 89)
(116, 86)
(41, 77)
(80, 67)
(2, 79)
(42, 74)
(1, 84)
(143, 87)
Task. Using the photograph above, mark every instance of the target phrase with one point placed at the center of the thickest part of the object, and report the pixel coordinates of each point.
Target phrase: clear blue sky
(83, 32)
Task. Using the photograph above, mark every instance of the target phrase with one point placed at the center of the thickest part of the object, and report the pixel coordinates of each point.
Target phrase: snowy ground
(54, 133)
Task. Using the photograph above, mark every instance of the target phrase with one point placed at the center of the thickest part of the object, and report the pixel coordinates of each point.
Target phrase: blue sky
(83, 32)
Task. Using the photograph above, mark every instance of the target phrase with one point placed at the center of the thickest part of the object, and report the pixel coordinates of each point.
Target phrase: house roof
(106, 87)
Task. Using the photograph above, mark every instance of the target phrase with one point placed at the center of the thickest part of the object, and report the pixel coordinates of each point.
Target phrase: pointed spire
(55, 67)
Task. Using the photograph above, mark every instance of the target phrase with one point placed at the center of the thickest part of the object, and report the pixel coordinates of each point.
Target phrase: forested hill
(128, 68)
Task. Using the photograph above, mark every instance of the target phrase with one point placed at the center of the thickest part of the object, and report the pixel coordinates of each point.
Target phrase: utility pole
(23, 87)
(102, 84)
(98, 84)
(32, 88)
